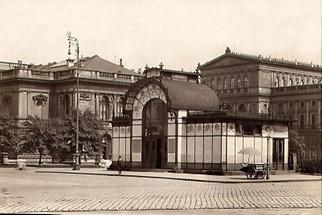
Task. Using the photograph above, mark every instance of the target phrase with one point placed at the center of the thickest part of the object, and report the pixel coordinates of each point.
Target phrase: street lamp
(104, 148)
(73, 41)
(76, 156)
(267, 168)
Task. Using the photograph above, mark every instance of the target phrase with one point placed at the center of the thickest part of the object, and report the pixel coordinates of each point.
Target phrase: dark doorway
(278, 154)
(107, 144)
(154, 134)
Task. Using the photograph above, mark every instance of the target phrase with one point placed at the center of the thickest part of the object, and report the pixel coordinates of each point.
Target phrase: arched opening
(154, 134)
(242, 108)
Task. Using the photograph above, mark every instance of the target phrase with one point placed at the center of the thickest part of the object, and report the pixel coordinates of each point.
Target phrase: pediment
(226, 61)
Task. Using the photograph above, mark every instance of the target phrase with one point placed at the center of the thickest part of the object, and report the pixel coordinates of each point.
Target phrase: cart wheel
(263, 175)
(250, 175)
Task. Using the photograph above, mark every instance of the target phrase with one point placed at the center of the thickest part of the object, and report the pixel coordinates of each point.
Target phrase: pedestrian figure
(119, 165)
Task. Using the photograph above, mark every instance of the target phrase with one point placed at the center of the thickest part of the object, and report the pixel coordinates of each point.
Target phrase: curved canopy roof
(191, 96)
(180, 95)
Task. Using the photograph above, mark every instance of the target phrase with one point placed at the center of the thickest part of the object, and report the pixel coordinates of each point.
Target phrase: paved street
(27, 191)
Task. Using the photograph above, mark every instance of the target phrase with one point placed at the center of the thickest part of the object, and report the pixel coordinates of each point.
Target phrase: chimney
(121, 62)
(70, 62)
(82, 61)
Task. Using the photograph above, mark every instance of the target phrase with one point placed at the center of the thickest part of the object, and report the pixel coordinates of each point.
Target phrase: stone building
(171, 121)
(302, 103)
(49, 91)
(278, 87)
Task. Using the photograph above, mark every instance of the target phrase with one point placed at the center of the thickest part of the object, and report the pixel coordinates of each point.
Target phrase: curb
(179, 179)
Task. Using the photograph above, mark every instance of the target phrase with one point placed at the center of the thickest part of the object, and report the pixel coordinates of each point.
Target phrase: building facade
(277, 87)
(49, 91)
(171, 121)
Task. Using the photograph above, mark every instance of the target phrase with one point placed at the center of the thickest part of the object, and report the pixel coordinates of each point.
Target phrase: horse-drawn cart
(254, 171)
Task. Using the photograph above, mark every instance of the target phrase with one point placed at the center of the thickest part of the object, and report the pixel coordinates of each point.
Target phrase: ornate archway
(154, 134)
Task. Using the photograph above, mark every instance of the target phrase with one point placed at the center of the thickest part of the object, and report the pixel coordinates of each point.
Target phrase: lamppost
(76, 156)
(267, 168)
(104, 148)
(73, 41)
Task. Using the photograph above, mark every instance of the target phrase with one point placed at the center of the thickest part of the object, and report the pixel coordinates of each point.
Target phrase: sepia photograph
(152, 107)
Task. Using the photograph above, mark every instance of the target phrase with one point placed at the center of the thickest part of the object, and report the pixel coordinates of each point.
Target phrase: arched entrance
(154, 134)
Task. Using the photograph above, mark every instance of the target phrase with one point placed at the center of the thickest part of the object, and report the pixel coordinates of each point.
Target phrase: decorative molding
(85, 96)
(40, 100)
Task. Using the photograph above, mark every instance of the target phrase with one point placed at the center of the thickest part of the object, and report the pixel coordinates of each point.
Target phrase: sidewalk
(183, 176)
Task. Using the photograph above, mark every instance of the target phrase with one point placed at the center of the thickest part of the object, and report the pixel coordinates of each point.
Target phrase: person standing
(119, 165)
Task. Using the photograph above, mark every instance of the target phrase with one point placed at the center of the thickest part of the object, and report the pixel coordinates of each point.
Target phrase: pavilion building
(171, 121)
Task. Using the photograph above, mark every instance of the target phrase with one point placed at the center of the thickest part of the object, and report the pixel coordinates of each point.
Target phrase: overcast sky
(178, 33)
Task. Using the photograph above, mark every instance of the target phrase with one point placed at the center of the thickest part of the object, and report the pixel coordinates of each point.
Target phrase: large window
(313, 121)
(119, 107)
(238, 82)
(105, 108)
(245, 81)
(232, 82)
(225, 83)
(302, 121)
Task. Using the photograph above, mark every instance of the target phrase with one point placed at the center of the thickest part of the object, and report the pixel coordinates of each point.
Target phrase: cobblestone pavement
(27, 191)
(253, 211)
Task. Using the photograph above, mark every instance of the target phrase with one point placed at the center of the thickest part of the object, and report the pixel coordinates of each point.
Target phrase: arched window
(105, 108)
(297, 80)
(245, 81)
(218, 83)
(232, 82)
(66, 105)
(238, 82)
(313, 81)
(119, 107)
(291, 82)
(225, 83)
(302, 81)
